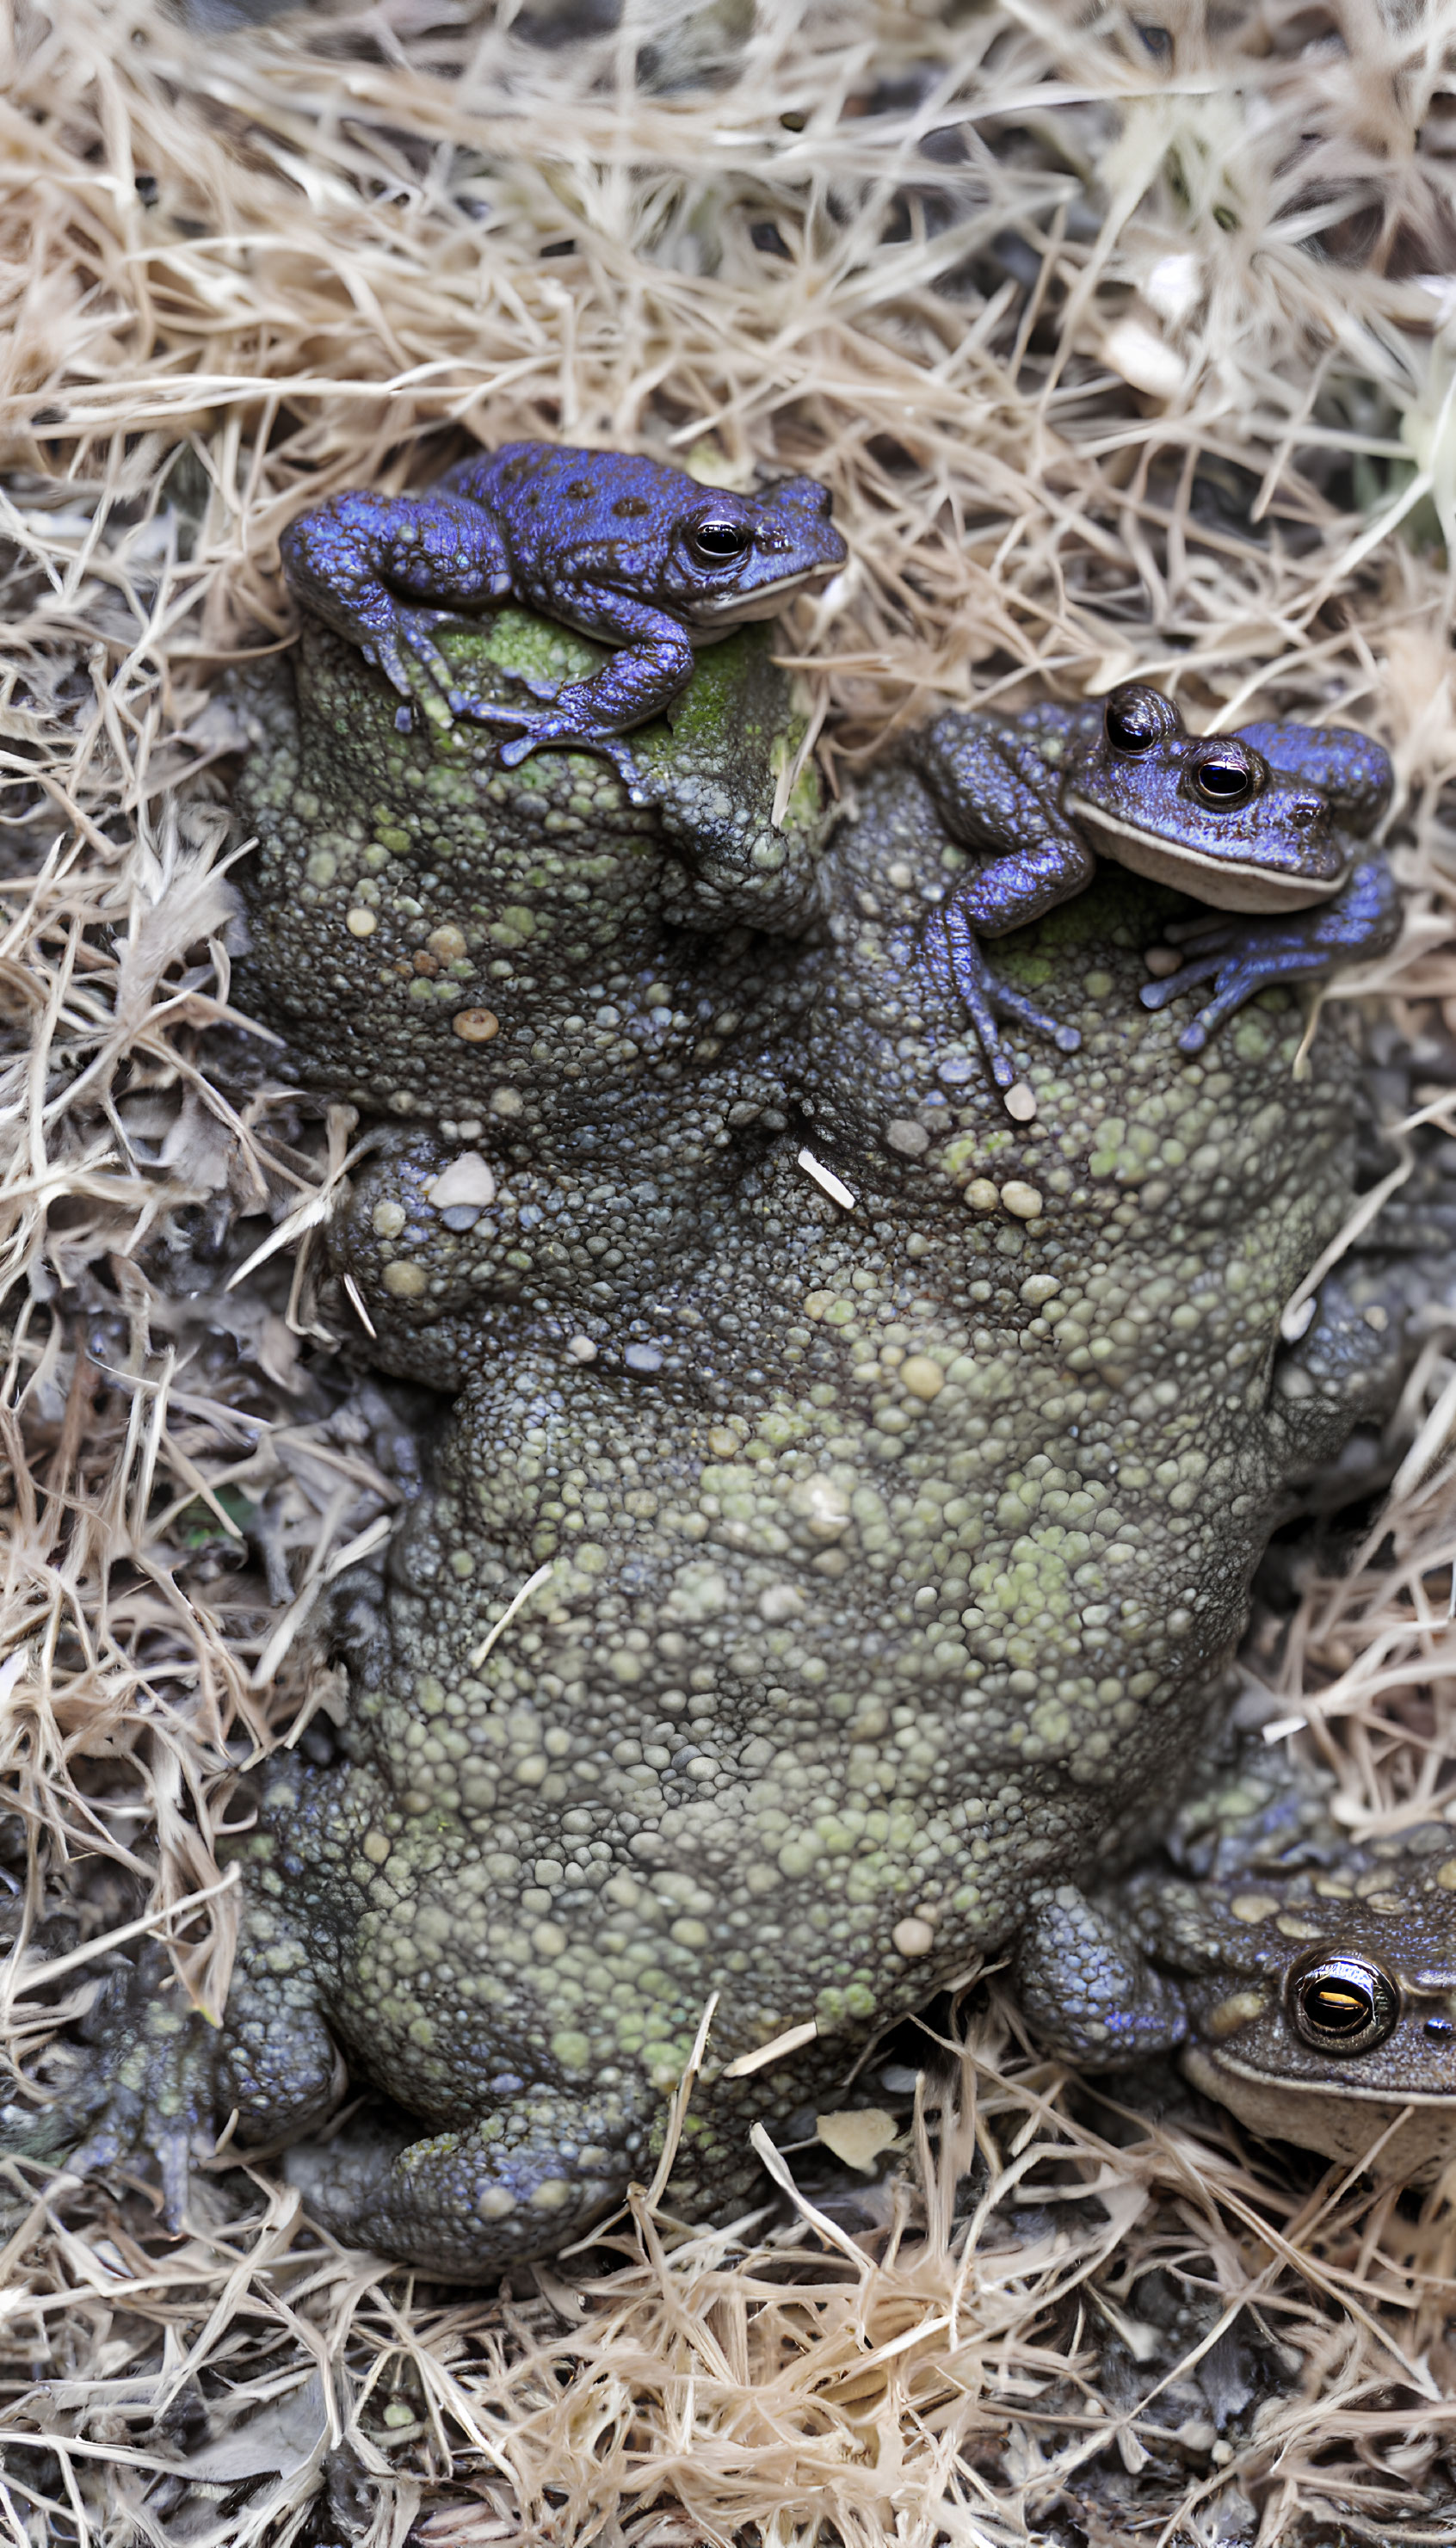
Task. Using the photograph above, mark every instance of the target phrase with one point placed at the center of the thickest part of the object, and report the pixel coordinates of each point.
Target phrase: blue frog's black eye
(716, 542)
(1135, 719)
(1223, 777)
(1341, 2003)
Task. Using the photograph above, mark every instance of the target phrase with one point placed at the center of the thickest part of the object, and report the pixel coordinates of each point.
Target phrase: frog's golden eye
(716, 542)
(1224, 777)
(1342, 2003)
(1137, 717)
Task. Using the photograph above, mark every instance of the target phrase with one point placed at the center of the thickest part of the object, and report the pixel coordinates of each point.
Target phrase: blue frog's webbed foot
(1208, 958)
(988, 998)
(407, 646)
(501, 711)
(1244, 955)
(540, 727)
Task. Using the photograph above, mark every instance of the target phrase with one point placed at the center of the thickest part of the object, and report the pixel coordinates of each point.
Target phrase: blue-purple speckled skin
(1028, 789)
(633, 553)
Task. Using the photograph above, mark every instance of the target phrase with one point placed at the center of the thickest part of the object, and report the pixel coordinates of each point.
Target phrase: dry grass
(1118, 353)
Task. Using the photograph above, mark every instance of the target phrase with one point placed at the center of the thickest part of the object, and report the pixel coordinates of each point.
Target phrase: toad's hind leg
(519, 2183)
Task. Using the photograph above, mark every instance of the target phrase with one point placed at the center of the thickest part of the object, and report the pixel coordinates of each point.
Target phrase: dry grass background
(1124, 346)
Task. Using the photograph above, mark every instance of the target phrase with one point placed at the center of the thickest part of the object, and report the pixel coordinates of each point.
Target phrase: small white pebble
(834, 1186)
(361, 923)
(468, 1180)
(1161, 962)
(1144, 358)
(1020, 1102)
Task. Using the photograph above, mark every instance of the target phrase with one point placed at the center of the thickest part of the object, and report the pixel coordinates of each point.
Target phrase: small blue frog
(628, 551)
(1265, 824)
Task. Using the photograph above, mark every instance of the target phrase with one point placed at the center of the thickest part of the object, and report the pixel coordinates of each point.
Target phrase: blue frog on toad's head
(1268, 824)
(629, 551)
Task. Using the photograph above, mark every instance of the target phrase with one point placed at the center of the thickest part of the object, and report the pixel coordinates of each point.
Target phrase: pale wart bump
(361, 923)
(907, 1137)
(1254, 1906)
(822, 1506)
(1238, 2010)
(922, 1378)
(1039, 1288)
(912, 1937)
(553, 2194)
(476, 1026)
(495, 2203)
(780, 1602)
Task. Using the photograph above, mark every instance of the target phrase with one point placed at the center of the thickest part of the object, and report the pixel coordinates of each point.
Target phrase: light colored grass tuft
(1121, 355)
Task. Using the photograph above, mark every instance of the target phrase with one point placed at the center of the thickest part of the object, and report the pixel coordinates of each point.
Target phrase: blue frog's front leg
(654, 661)
(1244, 955)
(996, 783)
